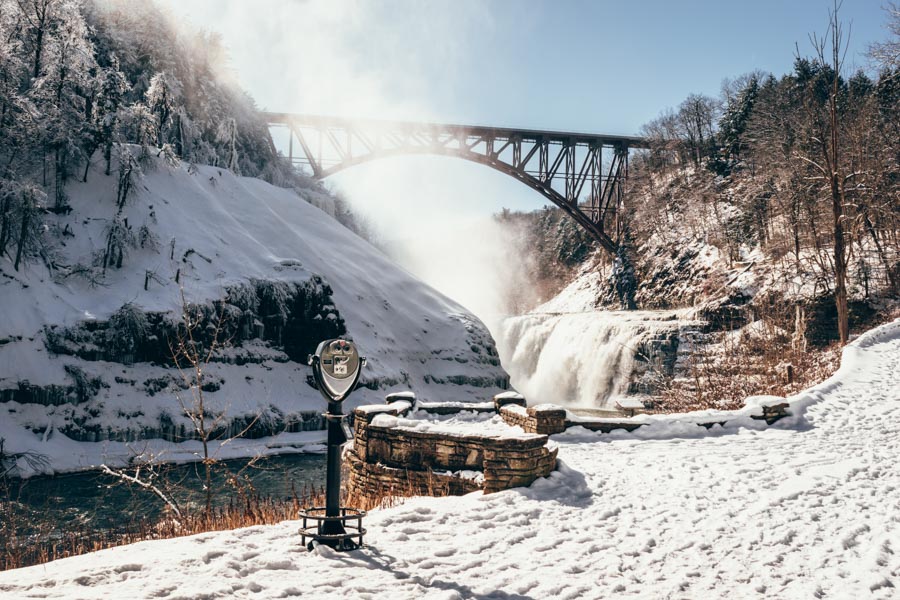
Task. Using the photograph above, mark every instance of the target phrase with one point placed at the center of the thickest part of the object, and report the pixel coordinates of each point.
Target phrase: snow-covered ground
(804, 509)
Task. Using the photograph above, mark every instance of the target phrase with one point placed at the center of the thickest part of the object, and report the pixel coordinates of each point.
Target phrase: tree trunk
(4, 224)
(59, 178)
(107, 256)
(23, 236)
(179, 138)
(107, 155)
(837, 192)
(87, 163)
(840, 264)
(38, 50)
(879, 248)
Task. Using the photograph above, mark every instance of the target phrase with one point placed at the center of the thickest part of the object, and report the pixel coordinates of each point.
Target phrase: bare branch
(170, 502)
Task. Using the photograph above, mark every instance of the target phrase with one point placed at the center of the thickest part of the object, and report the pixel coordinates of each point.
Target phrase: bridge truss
(583, 174)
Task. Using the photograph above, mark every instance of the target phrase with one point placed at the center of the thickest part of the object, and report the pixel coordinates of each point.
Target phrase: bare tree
(888, 53)
(192, 356)
(146, 476)
(823, 153)
(697, 115)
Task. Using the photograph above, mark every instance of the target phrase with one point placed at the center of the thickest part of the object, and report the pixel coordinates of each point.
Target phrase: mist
(433, 215)
(443, 233)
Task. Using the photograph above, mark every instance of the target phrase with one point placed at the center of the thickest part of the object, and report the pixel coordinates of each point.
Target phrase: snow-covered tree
(28, 211)
(228, 135)
(38, 18)
(118, 238)
(161, 98)
(129, 172)
(62, 92)
(142, 126)
(12, 67)
(109, 107)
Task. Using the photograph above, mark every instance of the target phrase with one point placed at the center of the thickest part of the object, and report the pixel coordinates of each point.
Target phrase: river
(45, 506)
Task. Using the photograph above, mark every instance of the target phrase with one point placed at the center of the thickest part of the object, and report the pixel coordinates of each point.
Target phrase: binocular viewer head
(337, 366)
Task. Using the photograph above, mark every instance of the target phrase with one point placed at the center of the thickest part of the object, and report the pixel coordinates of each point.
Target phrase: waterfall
(584, 360)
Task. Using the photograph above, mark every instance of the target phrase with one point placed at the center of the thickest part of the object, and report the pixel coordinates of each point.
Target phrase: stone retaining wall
(395, 461)
(368, 484)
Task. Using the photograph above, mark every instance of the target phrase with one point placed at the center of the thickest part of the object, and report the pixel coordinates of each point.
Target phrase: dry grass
(723, 374)
(389, 500)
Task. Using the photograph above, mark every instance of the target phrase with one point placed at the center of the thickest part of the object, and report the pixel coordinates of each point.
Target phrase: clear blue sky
(587, 65)
(612, 65)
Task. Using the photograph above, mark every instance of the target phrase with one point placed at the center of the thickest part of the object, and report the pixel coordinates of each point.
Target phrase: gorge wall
(86, 352)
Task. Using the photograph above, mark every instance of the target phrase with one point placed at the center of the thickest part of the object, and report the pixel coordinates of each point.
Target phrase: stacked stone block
(545, 419)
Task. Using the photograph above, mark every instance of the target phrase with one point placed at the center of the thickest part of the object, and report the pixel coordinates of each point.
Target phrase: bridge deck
(567, 137)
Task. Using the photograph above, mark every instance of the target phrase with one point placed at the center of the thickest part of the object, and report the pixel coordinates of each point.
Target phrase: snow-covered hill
(284, 272)
(804, 509)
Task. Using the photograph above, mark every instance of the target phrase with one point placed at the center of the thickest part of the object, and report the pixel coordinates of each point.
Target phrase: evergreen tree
(110, 101)
(733, 125)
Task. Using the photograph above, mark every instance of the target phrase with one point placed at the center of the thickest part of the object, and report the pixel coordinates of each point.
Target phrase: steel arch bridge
(583, 174)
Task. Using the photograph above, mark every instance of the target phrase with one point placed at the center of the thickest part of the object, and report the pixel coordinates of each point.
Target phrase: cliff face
(86, 353)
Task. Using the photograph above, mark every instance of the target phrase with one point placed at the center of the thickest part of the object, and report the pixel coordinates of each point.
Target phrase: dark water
(44, 506)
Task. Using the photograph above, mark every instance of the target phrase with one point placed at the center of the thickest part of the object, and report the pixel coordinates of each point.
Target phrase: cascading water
(584, 360)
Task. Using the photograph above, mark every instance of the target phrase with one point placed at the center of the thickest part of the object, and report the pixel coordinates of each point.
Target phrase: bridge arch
(583, 174)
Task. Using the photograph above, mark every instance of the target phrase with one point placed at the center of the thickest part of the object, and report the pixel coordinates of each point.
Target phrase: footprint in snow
(212, 555)
(128, 568)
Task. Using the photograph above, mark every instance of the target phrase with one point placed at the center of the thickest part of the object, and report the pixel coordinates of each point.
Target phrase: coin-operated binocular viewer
(336, 366)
